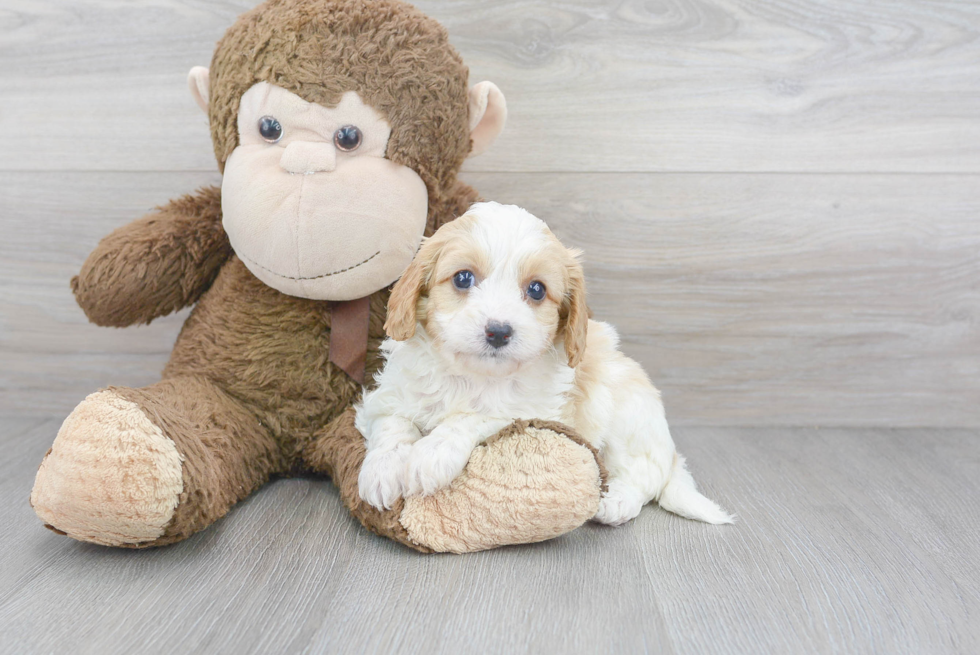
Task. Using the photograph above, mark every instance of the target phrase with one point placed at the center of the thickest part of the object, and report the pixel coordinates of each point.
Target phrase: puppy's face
(494, 289)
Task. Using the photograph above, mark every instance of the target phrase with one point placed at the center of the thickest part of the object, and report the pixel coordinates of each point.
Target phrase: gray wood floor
(848, 541)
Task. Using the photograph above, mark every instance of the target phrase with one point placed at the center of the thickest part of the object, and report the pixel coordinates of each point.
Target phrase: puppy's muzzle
(498, 334)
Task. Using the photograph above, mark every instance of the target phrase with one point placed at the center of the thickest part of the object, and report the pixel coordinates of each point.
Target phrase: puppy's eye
(535, 290)
(463, 280)
(270, 129)
(347, 138)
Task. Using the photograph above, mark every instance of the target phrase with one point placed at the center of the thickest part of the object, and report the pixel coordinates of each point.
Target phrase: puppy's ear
(574, 312)
(405, 296)
(400, 324)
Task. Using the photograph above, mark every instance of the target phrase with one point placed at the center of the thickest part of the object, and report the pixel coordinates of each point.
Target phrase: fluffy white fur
(445, 388)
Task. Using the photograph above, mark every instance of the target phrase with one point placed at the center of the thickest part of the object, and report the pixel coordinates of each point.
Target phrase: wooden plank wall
(779, 201)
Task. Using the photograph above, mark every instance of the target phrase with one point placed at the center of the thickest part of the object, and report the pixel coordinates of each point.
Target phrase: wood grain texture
(856, 541)
(634, 85)
(783, 299)
(750, 299)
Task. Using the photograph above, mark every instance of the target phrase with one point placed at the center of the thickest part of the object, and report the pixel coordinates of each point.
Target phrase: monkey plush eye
(463, 280)
(270, 129)
(535, 290)
(347, 138)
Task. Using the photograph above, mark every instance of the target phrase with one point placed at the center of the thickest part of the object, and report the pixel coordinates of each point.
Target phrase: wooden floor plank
(717, 86)
(816, 553)
(848, 540)
(750, 299)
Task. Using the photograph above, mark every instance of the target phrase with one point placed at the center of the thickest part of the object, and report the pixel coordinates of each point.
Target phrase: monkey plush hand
(340, 127)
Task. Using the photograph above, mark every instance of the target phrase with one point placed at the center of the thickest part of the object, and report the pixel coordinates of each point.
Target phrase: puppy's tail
(681, 496)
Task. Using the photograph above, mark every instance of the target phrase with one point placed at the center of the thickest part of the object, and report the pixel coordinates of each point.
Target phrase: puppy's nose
(499, 334)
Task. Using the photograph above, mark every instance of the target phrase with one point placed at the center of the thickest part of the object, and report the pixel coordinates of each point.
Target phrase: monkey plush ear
(488, 113)
(199, 82)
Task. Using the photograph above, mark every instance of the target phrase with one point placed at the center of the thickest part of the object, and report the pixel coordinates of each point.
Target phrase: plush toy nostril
(499, 334)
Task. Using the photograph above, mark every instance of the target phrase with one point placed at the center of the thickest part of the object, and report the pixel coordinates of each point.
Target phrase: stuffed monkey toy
(339, 127)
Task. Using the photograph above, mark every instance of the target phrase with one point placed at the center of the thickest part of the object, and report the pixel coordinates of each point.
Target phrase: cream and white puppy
(487, 325)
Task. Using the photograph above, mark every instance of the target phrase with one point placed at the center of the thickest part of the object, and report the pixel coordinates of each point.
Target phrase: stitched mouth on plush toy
(313, 277)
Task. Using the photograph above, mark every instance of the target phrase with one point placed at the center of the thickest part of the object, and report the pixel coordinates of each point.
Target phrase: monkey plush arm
(155, 265)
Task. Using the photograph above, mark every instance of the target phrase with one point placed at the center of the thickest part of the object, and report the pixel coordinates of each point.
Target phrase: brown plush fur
(249, 391)
(336, 454)
(155, 265)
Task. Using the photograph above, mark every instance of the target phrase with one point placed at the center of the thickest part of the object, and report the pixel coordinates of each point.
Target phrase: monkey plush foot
(533, 481)
(147, 467)
(111, 477)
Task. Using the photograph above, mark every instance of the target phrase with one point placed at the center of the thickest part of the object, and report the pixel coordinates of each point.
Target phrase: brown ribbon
(349, 335)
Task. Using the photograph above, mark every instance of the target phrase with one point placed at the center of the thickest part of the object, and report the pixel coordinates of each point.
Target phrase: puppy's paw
(381, 480)
(618, 505)
(433, 463)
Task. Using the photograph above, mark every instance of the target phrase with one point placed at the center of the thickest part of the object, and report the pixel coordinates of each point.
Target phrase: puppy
(487, 325)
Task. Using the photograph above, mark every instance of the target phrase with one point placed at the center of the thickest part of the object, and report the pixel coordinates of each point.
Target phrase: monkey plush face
(340, 127)
(310, 204)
